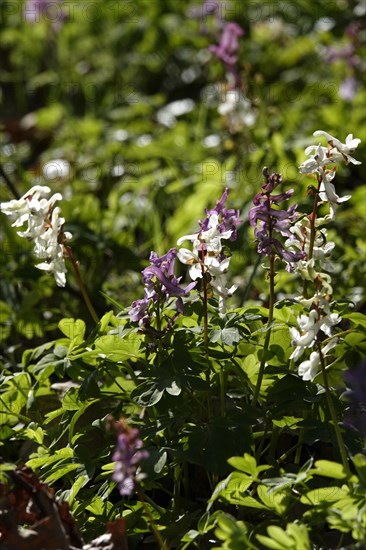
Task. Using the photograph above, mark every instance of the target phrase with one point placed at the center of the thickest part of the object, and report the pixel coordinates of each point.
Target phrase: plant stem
(269, 328)
(9, 183)
(251, 278)
(75, 265)
(273, 444)
(158, 328)
(299, 447)
(222, 392)
(289, 452)
(312, 219)
(312, 224)
(333, 414)
(161, 542)
(205, 331)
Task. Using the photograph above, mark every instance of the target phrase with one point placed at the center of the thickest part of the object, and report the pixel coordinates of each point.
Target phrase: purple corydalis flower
(229, 218)
(266, 220)
(127, 456)
(163, 270)
(139, 309)
(356, 394)
(160, 282)
(227, 50)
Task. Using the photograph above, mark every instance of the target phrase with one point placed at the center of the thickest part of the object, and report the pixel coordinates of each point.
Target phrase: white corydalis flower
(315, 162)
(300, 241)
(44, 228)
(309, 369)
(206, 257)
(306, 336)
(19, 209)
(335, 152)
(309, 326)
(320, 157)
(339, 150)
(327, 192)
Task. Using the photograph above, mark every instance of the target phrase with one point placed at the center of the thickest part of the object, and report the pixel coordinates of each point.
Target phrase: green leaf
(160, 463)
(327, 468)
(299, 533)
(61, 471)
(230, 336)
(147, 394)
(113, 348)
(90, 388)
(359, 461)
(235, 491)
(36, 435)
(324, 495)
(71, 400)
(97, 506)
(105, 320)
(356, 339)
(356, 318)
(47, 459)
(247, 464)
(276, 501)
(14, 398)
(295, 537)
(173, 388)
(279, 535)
(77, 485)
(73, 329)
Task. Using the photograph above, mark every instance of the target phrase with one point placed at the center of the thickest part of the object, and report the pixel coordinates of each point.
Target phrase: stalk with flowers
(45, 230)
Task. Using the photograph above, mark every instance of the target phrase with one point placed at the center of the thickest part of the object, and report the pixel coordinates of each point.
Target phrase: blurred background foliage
(115, 105)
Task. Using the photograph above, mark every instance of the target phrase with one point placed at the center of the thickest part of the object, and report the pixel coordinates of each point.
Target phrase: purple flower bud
(170, 286)
(227, 50)
(229, 219)
(139, 309)
(266, 220)
(127, 457)
(165, 262)
(160, 282)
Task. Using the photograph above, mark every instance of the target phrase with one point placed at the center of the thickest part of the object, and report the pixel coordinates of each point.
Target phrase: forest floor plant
(221, 438)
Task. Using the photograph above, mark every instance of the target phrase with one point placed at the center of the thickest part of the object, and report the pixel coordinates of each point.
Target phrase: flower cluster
(267, 220)
(227, 50)
(126, 457)
(207, 259)
(234, 106)
(308, 235)
(160, 284)
(319, 159)
(307, 337)
(44, 228)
